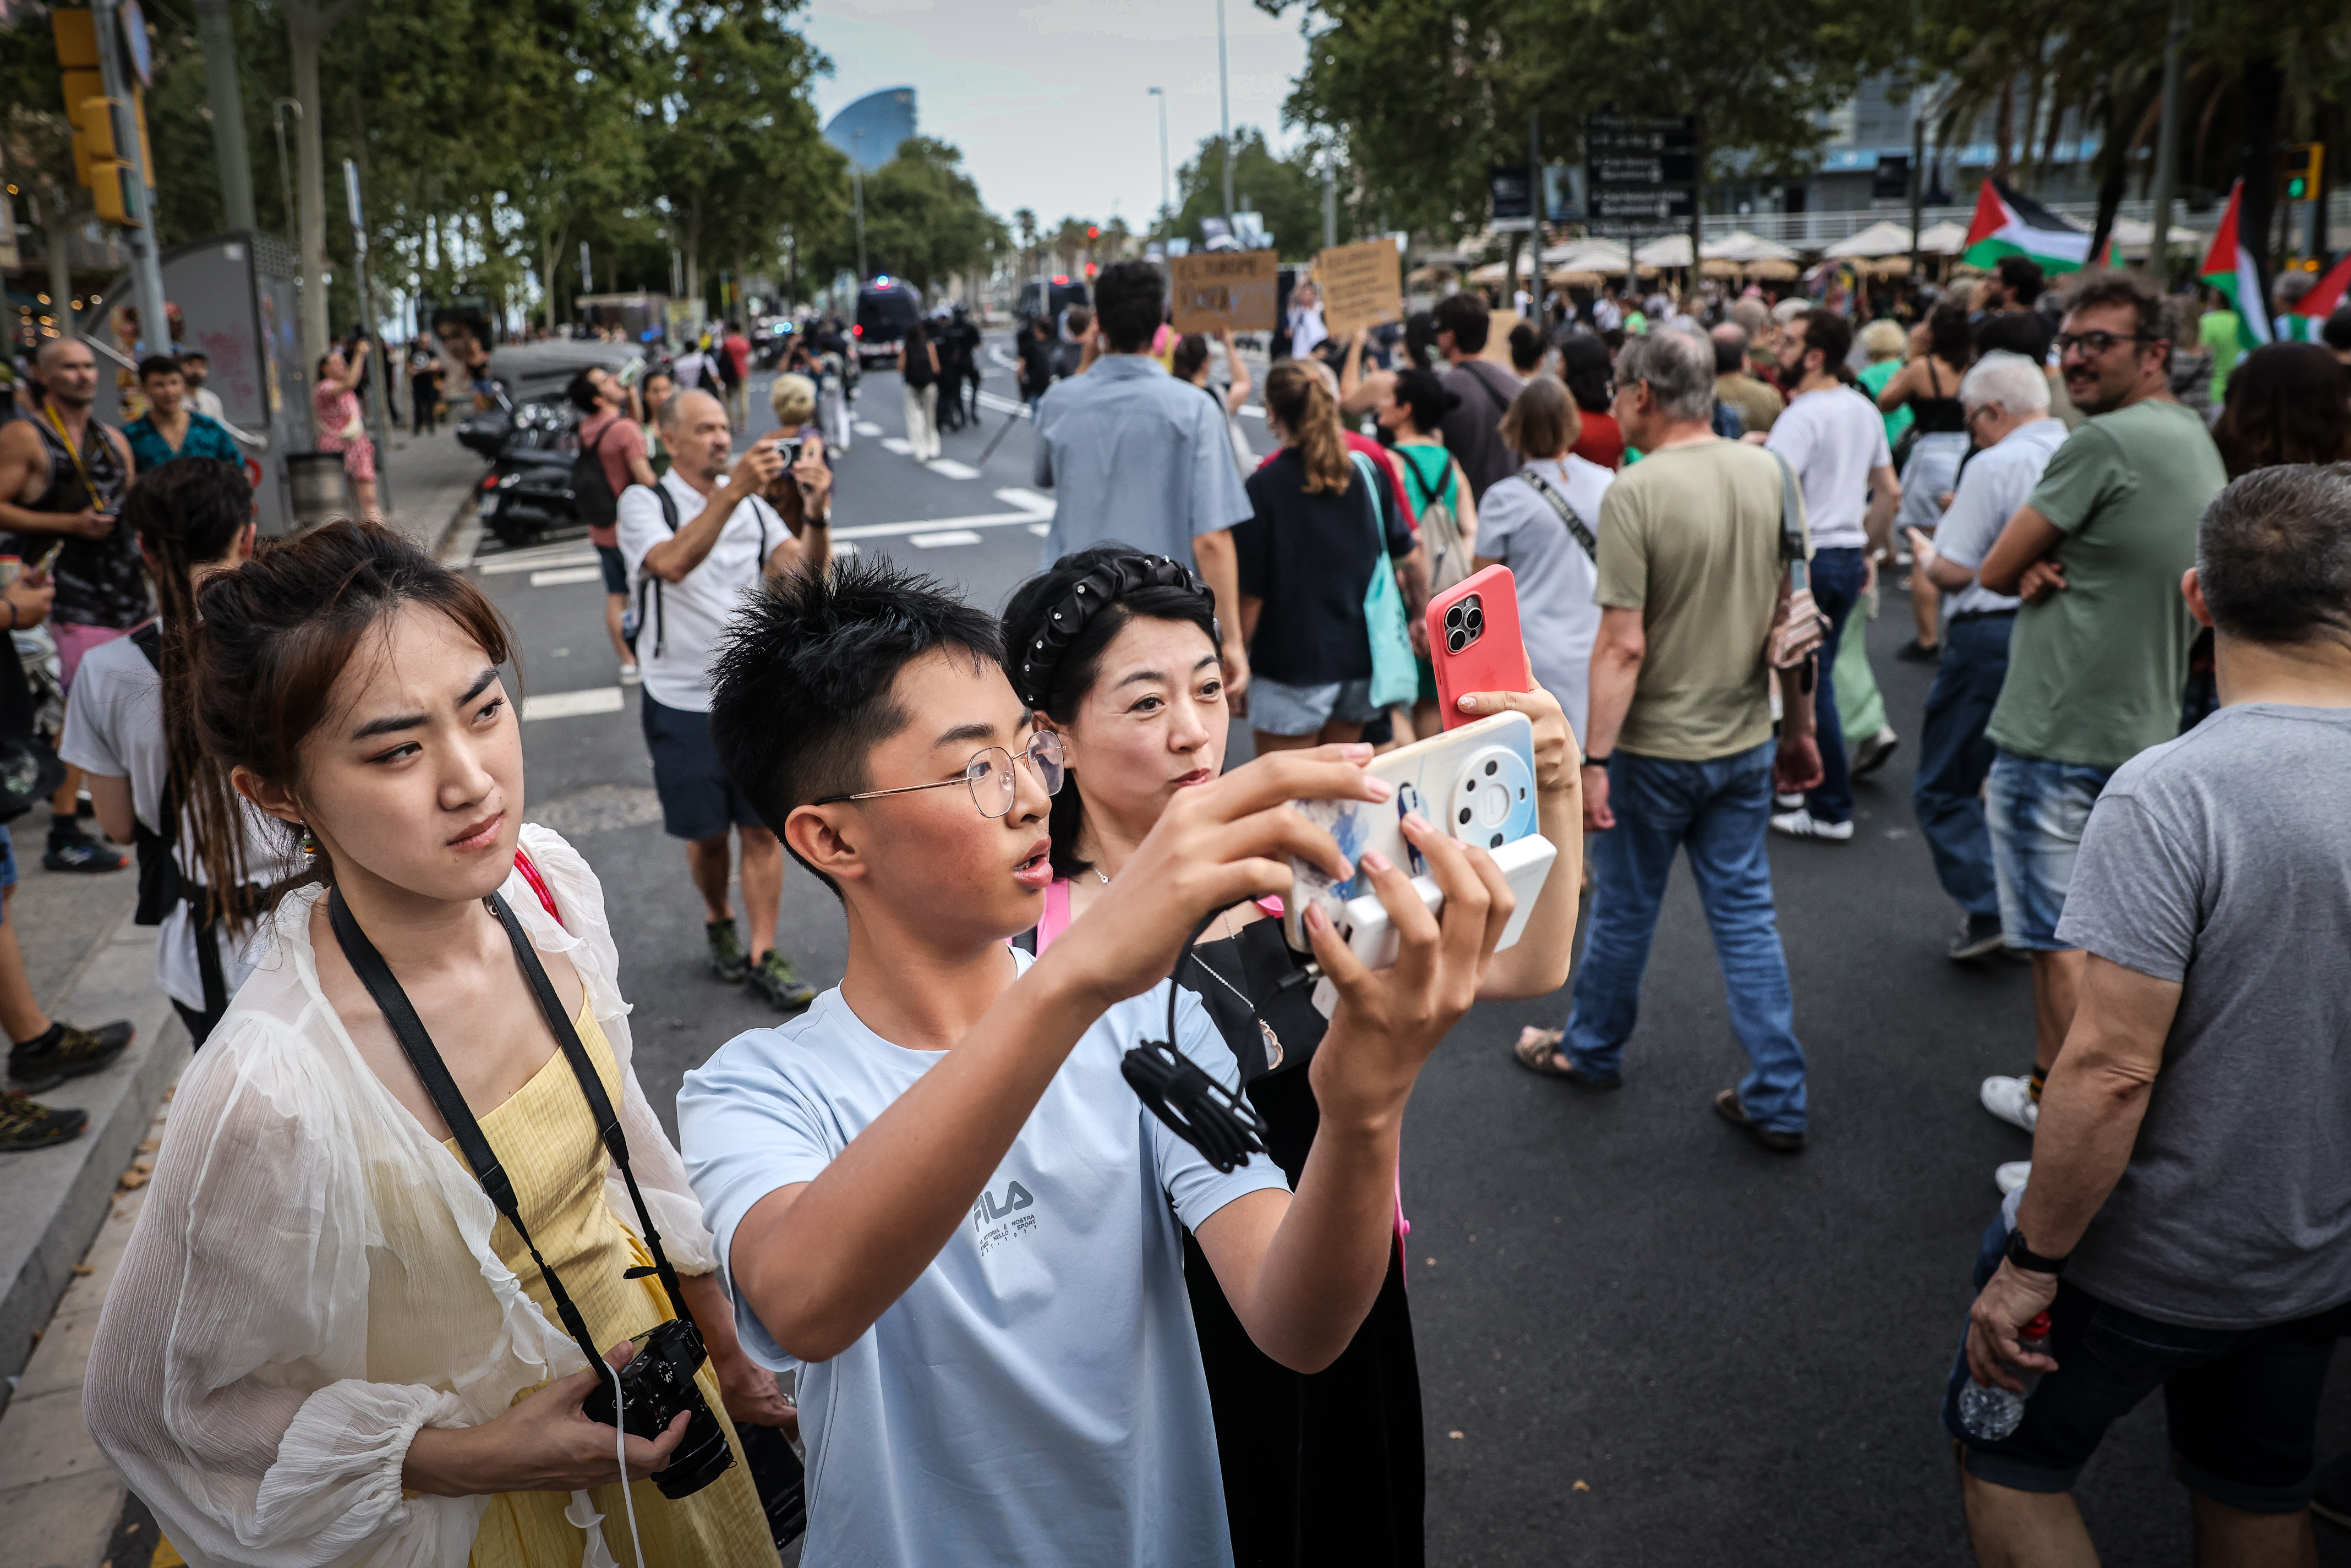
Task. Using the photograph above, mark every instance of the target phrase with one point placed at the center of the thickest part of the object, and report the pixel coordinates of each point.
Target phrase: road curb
(58, 1197)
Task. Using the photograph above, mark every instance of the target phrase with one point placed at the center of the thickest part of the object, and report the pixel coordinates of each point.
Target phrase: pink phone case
(1474, 641)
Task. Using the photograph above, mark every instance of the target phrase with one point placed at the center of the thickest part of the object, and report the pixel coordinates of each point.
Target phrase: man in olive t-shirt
(2099, 653)
(1680, 754)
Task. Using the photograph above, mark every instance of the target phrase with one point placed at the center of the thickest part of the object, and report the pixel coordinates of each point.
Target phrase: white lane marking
(867, 428)
(563, 575)
(844, 547)
(1002, 405)
(940, 540)
(932, 524)
(948, 468)
(1041, 529)
(534, 560)
(1027, 500)
(572, 704)
(898, 445)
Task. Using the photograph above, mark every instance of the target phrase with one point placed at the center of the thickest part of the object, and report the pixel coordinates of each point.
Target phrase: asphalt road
(1643, 1340)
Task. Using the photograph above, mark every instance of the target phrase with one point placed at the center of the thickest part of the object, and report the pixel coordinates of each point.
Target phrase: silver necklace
(1272, 1041)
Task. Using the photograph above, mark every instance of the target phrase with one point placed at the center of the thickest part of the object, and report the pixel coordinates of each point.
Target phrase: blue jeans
(2037, 809)
(1837, 576)
(1947, 791)
(1719, 812)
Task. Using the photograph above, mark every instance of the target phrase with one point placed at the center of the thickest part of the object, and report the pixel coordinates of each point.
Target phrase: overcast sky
(1047, 97)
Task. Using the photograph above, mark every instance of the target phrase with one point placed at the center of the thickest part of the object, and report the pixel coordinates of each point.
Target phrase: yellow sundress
(547, 1141)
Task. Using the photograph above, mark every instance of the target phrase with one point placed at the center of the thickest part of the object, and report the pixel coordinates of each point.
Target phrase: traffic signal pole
(146, 269)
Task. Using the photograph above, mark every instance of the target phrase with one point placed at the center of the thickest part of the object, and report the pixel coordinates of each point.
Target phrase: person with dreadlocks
(129, 727)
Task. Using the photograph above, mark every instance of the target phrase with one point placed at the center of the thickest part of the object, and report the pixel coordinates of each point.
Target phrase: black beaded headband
(1103, 587)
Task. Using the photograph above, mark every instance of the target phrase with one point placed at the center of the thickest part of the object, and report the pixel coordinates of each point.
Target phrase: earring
(310, 841)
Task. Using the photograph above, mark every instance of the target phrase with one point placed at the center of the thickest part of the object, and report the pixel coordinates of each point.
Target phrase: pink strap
(1056, 918)
(537, 884)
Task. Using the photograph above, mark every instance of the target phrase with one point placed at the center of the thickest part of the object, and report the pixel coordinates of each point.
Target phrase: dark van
(1066, 293)
(885, 309)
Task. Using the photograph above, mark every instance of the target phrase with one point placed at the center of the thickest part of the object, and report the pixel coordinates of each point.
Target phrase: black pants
(200, 1024)
(422, 401)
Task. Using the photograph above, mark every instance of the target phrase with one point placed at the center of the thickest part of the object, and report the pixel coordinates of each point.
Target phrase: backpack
(648, 585)
(161, 887)
(591, 489)
(1440, 530)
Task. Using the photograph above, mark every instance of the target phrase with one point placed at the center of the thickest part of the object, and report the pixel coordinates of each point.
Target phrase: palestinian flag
(2301, 324)
(2009, 224)
(2229, 267)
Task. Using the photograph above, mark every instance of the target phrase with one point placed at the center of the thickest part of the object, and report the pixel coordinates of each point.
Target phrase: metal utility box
(238, 303)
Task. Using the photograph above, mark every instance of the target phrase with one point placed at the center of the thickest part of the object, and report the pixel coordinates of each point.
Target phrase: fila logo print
(1001, 1221)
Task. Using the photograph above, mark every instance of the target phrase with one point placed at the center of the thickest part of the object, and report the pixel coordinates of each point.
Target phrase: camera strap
(433, 1072)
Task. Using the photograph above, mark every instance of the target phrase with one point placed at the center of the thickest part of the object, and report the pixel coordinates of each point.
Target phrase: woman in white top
(1544, 523)
(131, 728)
(323, 1345)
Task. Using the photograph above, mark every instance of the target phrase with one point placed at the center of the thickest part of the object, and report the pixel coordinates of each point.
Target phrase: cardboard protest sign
(1211, 291)
(1362, 286)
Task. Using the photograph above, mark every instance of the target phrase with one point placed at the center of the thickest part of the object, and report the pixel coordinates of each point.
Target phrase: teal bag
(1395, 678)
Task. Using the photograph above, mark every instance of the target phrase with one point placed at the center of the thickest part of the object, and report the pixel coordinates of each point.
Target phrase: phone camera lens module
(1456, 641)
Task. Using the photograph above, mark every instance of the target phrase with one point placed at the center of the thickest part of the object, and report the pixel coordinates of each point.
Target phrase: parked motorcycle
(531, 446)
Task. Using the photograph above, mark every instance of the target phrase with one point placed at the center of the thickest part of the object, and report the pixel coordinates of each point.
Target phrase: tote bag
(1395, 677)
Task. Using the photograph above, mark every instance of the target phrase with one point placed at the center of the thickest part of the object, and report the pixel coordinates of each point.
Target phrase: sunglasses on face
(989, 776)
(2098, 345)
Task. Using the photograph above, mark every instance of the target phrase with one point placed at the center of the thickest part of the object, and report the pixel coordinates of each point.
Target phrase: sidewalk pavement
(432, 480)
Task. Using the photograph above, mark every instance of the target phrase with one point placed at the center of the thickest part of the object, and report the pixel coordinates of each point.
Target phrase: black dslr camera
(656, 1383)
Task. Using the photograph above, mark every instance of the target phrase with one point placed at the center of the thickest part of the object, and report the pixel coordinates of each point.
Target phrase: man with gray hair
(2006, 399)
(1678, 747)
(2188, 1226)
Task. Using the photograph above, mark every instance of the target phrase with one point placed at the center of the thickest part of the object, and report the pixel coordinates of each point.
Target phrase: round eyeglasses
(989, 776)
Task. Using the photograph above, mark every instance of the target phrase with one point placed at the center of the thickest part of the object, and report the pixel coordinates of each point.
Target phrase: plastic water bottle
(1988, 1415)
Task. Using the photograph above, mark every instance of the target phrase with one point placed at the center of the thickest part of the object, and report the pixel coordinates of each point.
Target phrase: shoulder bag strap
(1501, 403)
(1567, 516)
(1792, 527)
(649, 587)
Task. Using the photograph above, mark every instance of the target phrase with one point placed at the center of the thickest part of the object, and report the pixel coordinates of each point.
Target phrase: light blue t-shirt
(1036, 1396)
(1132, 454)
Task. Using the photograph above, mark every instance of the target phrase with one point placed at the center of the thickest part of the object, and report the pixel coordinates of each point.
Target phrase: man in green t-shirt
(2099, 653)
(1679, 748)
(2221, 333)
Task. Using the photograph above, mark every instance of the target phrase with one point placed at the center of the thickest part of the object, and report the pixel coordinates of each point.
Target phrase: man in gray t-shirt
(2190, 1179)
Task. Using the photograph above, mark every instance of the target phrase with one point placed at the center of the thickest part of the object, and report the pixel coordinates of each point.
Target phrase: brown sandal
(1538, 1051)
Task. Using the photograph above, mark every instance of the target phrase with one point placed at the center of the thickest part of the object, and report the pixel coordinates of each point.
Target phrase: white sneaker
(1787, 802)
(2010, 1099)
(629, 675)
(2011, 1175)
(1801, 823)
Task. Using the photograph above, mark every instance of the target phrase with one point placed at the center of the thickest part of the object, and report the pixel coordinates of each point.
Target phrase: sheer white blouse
(312, 1279)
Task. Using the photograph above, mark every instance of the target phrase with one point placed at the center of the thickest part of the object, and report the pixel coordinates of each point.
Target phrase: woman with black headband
(1116, 651)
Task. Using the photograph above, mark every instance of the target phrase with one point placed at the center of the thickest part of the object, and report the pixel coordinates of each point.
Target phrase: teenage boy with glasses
(935, 1192)
(2099, 653)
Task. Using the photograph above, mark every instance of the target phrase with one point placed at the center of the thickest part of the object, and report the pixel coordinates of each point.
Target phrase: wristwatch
(1592, 762)
(2025, 1258)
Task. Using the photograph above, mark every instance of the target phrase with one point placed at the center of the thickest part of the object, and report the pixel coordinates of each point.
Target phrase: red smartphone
(1474, 641)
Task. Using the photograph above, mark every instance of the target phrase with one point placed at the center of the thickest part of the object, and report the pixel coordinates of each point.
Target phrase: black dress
(1320, 1469)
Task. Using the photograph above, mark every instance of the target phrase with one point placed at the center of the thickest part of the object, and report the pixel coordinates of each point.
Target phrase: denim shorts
(8, 867)
(616, 568)
(1280, 710)
(2241, 1405)
(2036, 810)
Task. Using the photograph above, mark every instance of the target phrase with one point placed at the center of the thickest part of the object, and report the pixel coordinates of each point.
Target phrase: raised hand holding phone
(1473, 643)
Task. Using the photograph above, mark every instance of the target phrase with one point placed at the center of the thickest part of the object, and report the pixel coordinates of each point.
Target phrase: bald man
(62, 478)
(696, 546)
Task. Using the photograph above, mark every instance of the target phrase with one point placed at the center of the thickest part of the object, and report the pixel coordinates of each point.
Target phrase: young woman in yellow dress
(324, 1344)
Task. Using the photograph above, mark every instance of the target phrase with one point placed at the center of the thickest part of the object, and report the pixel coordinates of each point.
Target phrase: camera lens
(1492, 768)
(1476, 621)
(1453, 617)
(701, 1458)
(1456, 641)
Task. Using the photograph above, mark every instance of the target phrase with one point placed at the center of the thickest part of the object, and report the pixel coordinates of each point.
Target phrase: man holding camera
(696, 546)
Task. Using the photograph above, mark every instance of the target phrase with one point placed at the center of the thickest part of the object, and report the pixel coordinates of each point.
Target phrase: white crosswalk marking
(1040, 529)
(843, 548)
(1027, 500)
(941, 540)
(948, 468)
(898, 445)
(932, 525)
(572, 704)
(535, 560)
(867, 428)
(563, 574)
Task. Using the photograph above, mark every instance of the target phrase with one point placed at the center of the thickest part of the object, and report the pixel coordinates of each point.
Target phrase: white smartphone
(1477, 782)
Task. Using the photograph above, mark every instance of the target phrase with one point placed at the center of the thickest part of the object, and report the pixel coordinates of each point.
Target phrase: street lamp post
(1224, 113)
(285, 180)
(146, 274)
(1167, 200)
(378, 374)
(2167, 143)
(857, 190)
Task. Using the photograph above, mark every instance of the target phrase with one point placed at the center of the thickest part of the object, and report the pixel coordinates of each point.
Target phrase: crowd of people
(930, 1194)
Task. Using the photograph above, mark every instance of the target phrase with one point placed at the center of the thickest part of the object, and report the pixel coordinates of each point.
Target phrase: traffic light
(1093, 231)
(2298, 171)
(98, 164)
